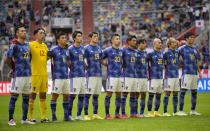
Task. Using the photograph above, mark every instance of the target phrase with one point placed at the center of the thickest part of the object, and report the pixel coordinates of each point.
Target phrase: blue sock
(150, 101)
(95, 104)
(157, 101)
(132, 105)
(117, 105)
(53, 108)
(181, 100)
(25, 107)
(12, 102)
(136, 105)
(86, 103)
(193, 99)
(65, 109)
(71, 103)
(123, 104)
(107, 104)
(142, 106)
(165, 103)
(80, 104)
(175, 102)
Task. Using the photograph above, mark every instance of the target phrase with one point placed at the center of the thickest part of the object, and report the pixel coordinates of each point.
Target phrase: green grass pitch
(188, 123)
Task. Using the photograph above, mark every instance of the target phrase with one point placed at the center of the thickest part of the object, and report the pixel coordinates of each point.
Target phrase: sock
(132, 105)
(157, 101)
(12, 102)
(150, 101)
(65, 109)
(25, 107)
(53, 108)
(193, 99)
(142, 106)
(181, 100)
(95, 104)
(80, 104)
(117, 105)
(175, 102)
(123, 104)
(165, 103)
(43, 108)
(107, 104)
(71, 103)
(86, 103)
(136, 106)
(31, 109)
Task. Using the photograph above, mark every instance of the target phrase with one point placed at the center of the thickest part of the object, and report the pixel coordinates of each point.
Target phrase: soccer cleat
(108, 117)
(141, 116)
(134, 116)
(118, 116)
(12, 122)
(46, 120)
(150, 114)
(166, 114)
(124, 116)
(195, 113)
(71, 118)
(181, 113)
(96, 116)
(79, 118)
(33, 120)
(157, 113)
(27, 122)
(87, 118)
(175, 114)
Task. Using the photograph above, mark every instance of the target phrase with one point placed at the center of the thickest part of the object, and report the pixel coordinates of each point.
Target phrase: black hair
(130, 37)
(114, 35)
(92, 33)
(140, 41)
(37, 30)
(74, 35)
(188, 34)
(58, 35)
(18, 27)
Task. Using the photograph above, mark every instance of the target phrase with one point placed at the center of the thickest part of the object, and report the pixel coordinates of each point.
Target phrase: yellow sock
(43, 108)
(31, 109)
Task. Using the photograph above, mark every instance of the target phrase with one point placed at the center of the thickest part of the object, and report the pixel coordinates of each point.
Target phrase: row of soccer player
(133, 64)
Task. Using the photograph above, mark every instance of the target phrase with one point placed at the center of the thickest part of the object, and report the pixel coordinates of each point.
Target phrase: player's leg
(107, 105)
(150, 98)
(142, 103)
(53, 105)
(168, 83)
(175, 102)
(123, 103)
(65, 92)
(81, 94)
(159, 90)
(90, 83)
(132, 104)
(117, 105)
(72, 96)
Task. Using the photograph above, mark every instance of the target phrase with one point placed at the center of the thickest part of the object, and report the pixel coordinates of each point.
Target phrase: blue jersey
(189, 59)
(114, 57)
(93, 57)
(20, 53)
(59, 62)
(142, 64)
(129, 62)
(155, 59)
(76, 57)
(171, 61)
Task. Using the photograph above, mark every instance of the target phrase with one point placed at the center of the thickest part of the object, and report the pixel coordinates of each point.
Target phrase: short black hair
(59, 34)
(114, 35)
(92, 33)
(140, 41)
(188, 34)
(37, 30)
(130, 37)
(74, 35)
(18, 27)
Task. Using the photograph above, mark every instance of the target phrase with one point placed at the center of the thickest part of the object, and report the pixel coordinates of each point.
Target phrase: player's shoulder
(182, 47)
(71, 47)
(107, 49)
(54, 48)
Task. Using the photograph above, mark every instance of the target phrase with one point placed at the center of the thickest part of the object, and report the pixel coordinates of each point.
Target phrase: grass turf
(191, 123)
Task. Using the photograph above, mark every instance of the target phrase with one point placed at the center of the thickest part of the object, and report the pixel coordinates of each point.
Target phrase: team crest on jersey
(135, 54)
(176, 54)
(120, 53)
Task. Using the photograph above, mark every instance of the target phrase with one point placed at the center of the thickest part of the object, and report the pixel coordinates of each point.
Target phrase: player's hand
(200, 75)
(10, 74)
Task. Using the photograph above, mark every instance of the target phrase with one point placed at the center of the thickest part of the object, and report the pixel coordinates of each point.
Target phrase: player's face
(78, 38)
(62, 40)
(132, 43)
(158, 44)
(94, 38)
(173, 44)
(116, 41)
(40, 35)
(143, 45)
(191, 39)
(21, 33)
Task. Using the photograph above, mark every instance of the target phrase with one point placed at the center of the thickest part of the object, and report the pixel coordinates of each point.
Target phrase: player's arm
(199, 61)
(104, 58)
(9, 56)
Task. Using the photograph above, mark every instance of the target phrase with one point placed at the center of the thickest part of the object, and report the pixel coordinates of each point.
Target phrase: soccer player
(190, 68)
(129, 77)
(60, 75)
(39, 74)
(19, 53)
(155, 59)
(171, 81)
(112, 58)
(94, 75)
(142, 73)
(77, 74)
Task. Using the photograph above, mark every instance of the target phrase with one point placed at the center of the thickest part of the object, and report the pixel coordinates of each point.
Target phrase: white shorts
(77, 85)
(114, 84)
(94, 85)
(189, 82)
(171, 84)
(21, 85)
(156, 86)
(130, 85)
(142, 84)
(61, 86)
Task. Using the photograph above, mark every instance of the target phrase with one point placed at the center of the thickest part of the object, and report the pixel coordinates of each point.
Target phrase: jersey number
(117, 59)
(26, 54)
